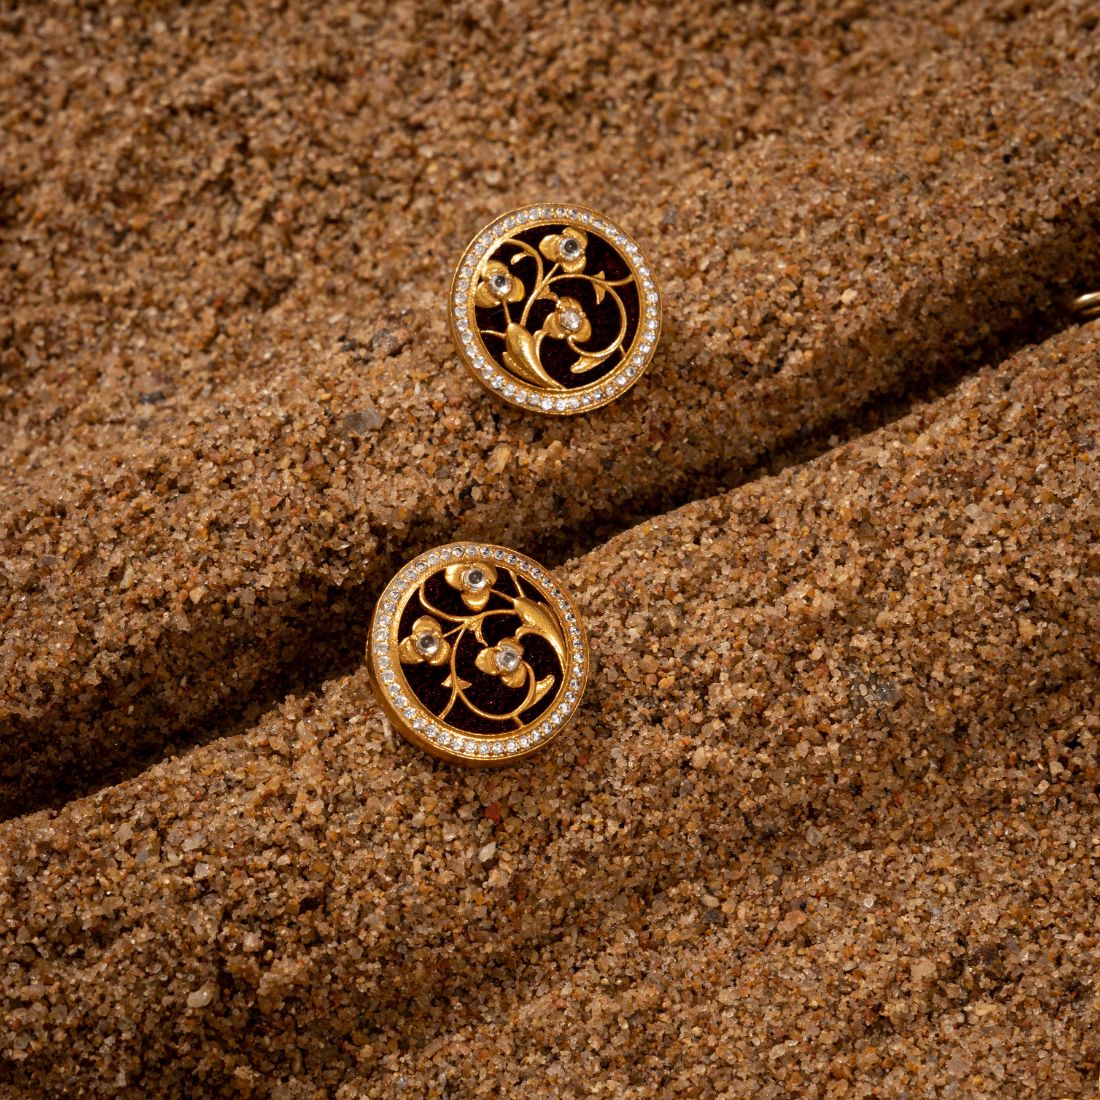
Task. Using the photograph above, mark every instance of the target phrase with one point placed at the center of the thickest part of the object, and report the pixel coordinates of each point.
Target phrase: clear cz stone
(427, 645)
(571, 319)
(476, 579)
(500, 284)
(507, 658)
(569, 248)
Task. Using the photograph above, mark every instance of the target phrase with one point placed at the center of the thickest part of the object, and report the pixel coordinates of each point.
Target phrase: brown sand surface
(829, 822)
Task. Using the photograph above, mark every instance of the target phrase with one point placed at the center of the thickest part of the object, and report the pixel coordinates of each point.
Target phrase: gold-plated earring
(555, 309)
(477, 654)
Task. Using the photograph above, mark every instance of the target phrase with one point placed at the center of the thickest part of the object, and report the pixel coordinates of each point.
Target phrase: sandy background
(828, 824)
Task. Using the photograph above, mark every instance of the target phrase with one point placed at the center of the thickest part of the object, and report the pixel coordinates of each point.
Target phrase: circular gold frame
(516, 373)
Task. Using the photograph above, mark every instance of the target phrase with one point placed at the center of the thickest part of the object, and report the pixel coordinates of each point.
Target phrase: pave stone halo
(554, 308)
(477, 654)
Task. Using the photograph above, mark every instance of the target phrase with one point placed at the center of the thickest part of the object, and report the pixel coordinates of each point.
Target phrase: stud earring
(555, 309)
(477, 654)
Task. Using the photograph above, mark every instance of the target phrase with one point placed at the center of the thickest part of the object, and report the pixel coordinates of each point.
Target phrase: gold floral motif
(439, 649)
(474, 595)
(554, 248)
(492, 660)
(567, 254)
(487, 297)
(568, 310)
(505, 660)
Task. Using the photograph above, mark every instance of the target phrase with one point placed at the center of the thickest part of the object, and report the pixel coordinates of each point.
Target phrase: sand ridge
(825, 826)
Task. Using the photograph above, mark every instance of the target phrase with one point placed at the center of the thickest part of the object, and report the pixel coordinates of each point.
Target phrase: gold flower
(497, 284)
(425, 643)
(566, 248)
(567, 321)
(475, 581)
(505, 660)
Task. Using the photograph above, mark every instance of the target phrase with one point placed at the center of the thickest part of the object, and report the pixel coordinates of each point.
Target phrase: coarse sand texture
(827, 823)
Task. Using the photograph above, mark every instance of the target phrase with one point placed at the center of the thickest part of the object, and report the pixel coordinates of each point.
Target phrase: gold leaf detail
(538, 620)
(541, 688)
(522, 357)
(586, 363)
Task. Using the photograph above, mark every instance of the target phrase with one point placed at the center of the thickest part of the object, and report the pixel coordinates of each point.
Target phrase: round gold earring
(477, 654)
(555, 309)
